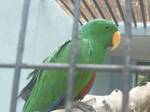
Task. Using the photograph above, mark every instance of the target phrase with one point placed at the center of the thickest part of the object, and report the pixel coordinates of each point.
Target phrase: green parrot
(47, 89)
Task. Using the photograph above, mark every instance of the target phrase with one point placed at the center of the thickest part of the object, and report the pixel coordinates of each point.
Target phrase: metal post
(126, 71)
(20, 49)
(72, 68)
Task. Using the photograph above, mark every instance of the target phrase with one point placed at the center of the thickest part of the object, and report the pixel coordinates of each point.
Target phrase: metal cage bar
(72, 68)
(88, 67)
(20, 49)
(126, 71)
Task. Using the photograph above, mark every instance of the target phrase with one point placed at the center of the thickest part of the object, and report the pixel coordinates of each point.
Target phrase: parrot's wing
(48, 92)
(26, 91)
(49, 58)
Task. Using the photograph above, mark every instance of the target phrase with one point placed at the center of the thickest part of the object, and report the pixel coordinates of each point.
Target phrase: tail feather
(26, 92)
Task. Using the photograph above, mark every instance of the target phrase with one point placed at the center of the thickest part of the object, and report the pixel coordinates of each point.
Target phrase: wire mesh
(126, 69)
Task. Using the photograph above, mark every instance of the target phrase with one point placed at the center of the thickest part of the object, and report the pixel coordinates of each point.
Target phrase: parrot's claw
(83, 106)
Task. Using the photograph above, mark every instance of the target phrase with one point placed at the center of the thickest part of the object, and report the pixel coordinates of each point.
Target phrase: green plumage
(50, 85)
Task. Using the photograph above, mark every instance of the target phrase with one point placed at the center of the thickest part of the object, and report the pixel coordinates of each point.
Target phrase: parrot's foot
(83, 106)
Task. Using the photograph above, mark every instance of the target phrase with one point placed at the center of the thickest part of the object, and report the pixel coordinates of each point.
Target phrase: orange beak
(116, 40)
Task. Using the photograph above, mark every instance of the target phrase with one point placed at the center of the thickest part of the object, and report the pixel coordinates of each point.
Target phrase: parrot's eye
(106, 27)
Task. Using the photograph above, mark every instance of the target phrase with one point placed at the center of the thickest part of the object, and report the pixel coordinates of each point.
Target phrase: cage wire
(126, 69)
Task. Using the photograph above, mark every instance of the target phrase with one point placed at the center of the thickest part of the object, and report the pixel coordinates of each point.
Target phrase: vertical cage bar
(126, 70)
(99, 9)
(143, 12)
(88, 8)
(111, 12)
(72, 68)
(20, 49)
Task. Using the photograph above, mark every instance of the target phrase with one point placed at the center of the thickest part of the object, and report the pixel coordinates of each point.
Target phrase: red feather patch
(88, 86)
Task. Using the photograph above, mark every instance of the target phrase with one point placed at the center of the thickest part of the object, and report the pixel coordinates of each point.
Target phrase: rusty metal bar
(111, 12)
(83, 15)
(133, 16)
(99, 9)
(67, 7)
(120, 10)
(143, 12)
(88, 8)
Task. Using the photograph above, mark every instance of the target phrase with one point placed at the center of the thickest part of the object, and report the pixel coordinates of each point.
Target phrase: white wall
(48, 27)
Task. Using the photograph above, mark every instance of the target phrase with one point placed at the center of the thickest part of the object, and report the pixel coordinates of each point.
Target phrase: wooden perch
(108, 103)
(139, 101)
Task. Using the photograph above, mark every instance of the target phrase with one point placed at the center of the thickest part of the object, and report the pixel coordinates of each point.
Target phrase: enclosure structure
(139, 33)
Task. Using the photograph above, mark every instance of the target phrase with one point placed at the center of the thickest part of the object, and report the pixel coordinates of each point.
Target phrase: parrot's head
(103, 31)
